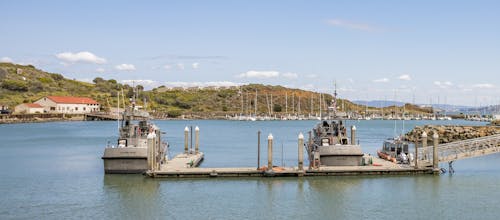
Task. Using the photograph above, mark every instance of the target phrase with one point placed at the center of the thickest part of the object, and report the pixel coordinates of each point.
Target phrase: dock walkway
(177, 168)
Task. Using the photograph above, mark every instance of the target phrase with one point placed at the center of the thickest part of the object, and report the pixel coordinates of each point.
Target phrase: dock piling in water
(186, 140)
(301, 151)
(353, 134)
(435, 161)
(197, 140)
(258, 149)
(151, 151)
(270, 152)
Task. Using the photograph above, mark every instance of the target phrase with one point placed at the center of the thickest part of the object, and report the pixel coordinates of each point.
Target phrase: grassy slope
(32, 84)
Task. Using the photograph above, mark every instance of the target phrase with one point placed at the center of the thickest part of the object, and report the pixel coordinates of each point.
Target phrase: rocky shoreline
(450, 133)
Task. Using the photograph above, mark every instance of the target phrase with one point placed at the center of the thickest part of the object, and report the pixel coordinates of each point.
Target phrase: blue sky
(430, 50)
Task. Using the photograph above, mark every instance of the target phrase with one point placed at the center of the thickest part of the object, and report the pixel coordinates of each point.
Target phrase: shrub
(15, 85)
(174, 113)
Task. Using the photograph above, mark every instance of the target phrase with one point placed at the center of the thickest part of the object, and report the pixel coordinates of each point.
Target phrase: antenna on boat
(118, 112)
(395, 113)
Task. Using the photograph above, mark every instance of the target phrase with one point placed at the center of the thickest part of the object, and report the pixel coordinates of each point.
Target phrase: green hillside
(24, 84)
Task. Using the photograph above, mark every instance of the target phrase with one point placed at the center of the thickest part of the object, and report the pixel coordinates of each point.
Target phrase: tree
(98, 80)
(277, 108)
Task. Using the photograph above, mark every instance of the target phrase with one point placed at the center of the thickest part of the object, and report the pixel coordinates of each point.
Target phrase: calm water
(54, 171)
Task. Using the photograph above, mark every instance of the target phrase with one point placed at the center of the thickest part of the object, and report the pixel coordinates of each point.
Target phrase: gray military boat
(130, 155)
(329, 144)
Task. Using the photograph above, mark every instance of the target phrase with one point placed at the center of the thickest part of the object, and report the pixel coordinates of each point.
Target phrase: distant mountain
(484, 110)
(379, 103)
(445, 107)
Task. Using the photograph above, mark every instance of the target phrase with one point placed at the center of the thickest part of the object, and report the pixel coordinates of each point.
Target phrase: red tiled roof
(33, 105)
(72, 100)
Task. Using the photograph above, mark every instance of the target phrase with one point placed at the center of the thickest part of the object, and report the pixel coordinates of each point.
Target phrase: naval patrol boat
(130, 155)
(329, 144)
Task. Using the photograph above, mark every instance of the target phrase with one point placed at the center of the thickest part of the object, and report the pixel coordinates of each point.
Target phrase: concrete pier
(178, 169)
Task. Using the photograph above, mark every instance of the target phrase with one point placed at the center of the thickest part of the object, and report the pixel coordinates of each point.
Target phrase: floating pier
(381, 167)
(185, 165)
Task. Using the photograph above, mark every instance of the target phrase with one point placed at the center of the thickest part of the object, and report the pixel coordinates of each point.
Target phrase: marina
(71, 168)
(426, 161)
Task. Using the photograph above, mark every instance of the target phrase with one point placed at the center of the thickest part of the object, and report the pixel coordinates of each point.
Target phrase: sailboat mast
(255, 103)
(286, 102)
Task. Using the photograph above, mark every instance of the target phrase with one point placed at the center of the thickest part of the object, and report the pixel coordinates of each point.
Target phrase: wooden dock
(179, 167)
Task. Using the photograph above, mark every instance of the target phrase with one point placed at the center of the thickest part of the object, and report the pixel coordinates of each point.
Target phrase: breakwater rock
(450, 133)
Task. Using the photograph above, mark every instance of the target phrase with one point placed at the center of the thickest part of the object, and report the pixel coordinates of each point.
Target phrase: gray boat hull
(340, 155)
(125, 160)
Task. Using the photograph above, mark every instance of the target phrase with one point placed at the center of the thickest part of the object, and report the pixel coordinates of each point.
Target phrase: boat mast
(255, 104)
(320, 100)
(286, 102)
(312, 105)
(118, 112)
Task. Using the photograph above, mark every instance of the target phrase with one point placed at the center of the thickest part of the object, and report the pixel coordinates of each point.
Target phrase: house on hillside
(29, 108)
(69, 104)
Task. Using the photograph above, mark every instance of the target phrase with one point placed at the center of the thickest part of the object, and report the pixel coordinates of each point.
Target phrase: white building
(68, 104)
(28, 108)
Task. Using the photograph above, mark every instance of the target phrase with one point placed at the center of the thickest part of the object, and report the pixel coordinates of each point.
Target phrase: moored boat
(135, 143)
(329, 144)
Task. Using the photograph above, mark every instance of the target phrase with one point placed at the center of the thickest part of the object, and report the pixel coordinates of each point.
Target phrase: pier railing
(461, 149)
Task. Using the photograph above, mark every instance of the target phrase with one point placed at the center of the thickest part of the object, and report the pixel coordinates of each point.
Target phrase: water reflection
(131, 196)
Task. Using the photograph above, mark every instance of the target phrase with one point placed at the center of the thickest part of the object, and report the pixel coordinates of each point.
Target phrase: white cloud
(201, 84)
(483, 86)
(125, 67)
(100, 70)
(195, 65)
(290, 75)
(6, 60)
(382, 80)
(180, 66)
(259, 74)
(84, 56)
(443, 85)
(405, 77)
(353, 25)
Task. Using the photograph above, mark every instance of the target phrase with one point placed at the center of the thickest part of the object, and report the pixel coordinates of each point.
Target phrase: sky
(418, 51)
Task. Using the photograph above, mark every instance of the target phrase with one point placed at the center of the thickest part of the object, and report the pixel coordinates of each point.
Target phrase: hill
(24, 84)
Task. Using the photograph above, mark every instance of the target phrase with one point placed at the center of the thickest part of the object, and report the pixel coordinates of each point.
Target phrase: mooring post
(309, 150)
(258, 149)
(151, 150)
(353, 135)
(197, 140)
(301, 151)
(191, 137)
(435, 161)
(424, 145)
(186, 139)
(270, 152)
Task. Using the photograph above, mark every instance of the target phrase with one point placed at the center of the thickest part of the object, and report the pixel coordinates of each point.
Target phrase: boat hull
(125, 160)
(340, 155)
